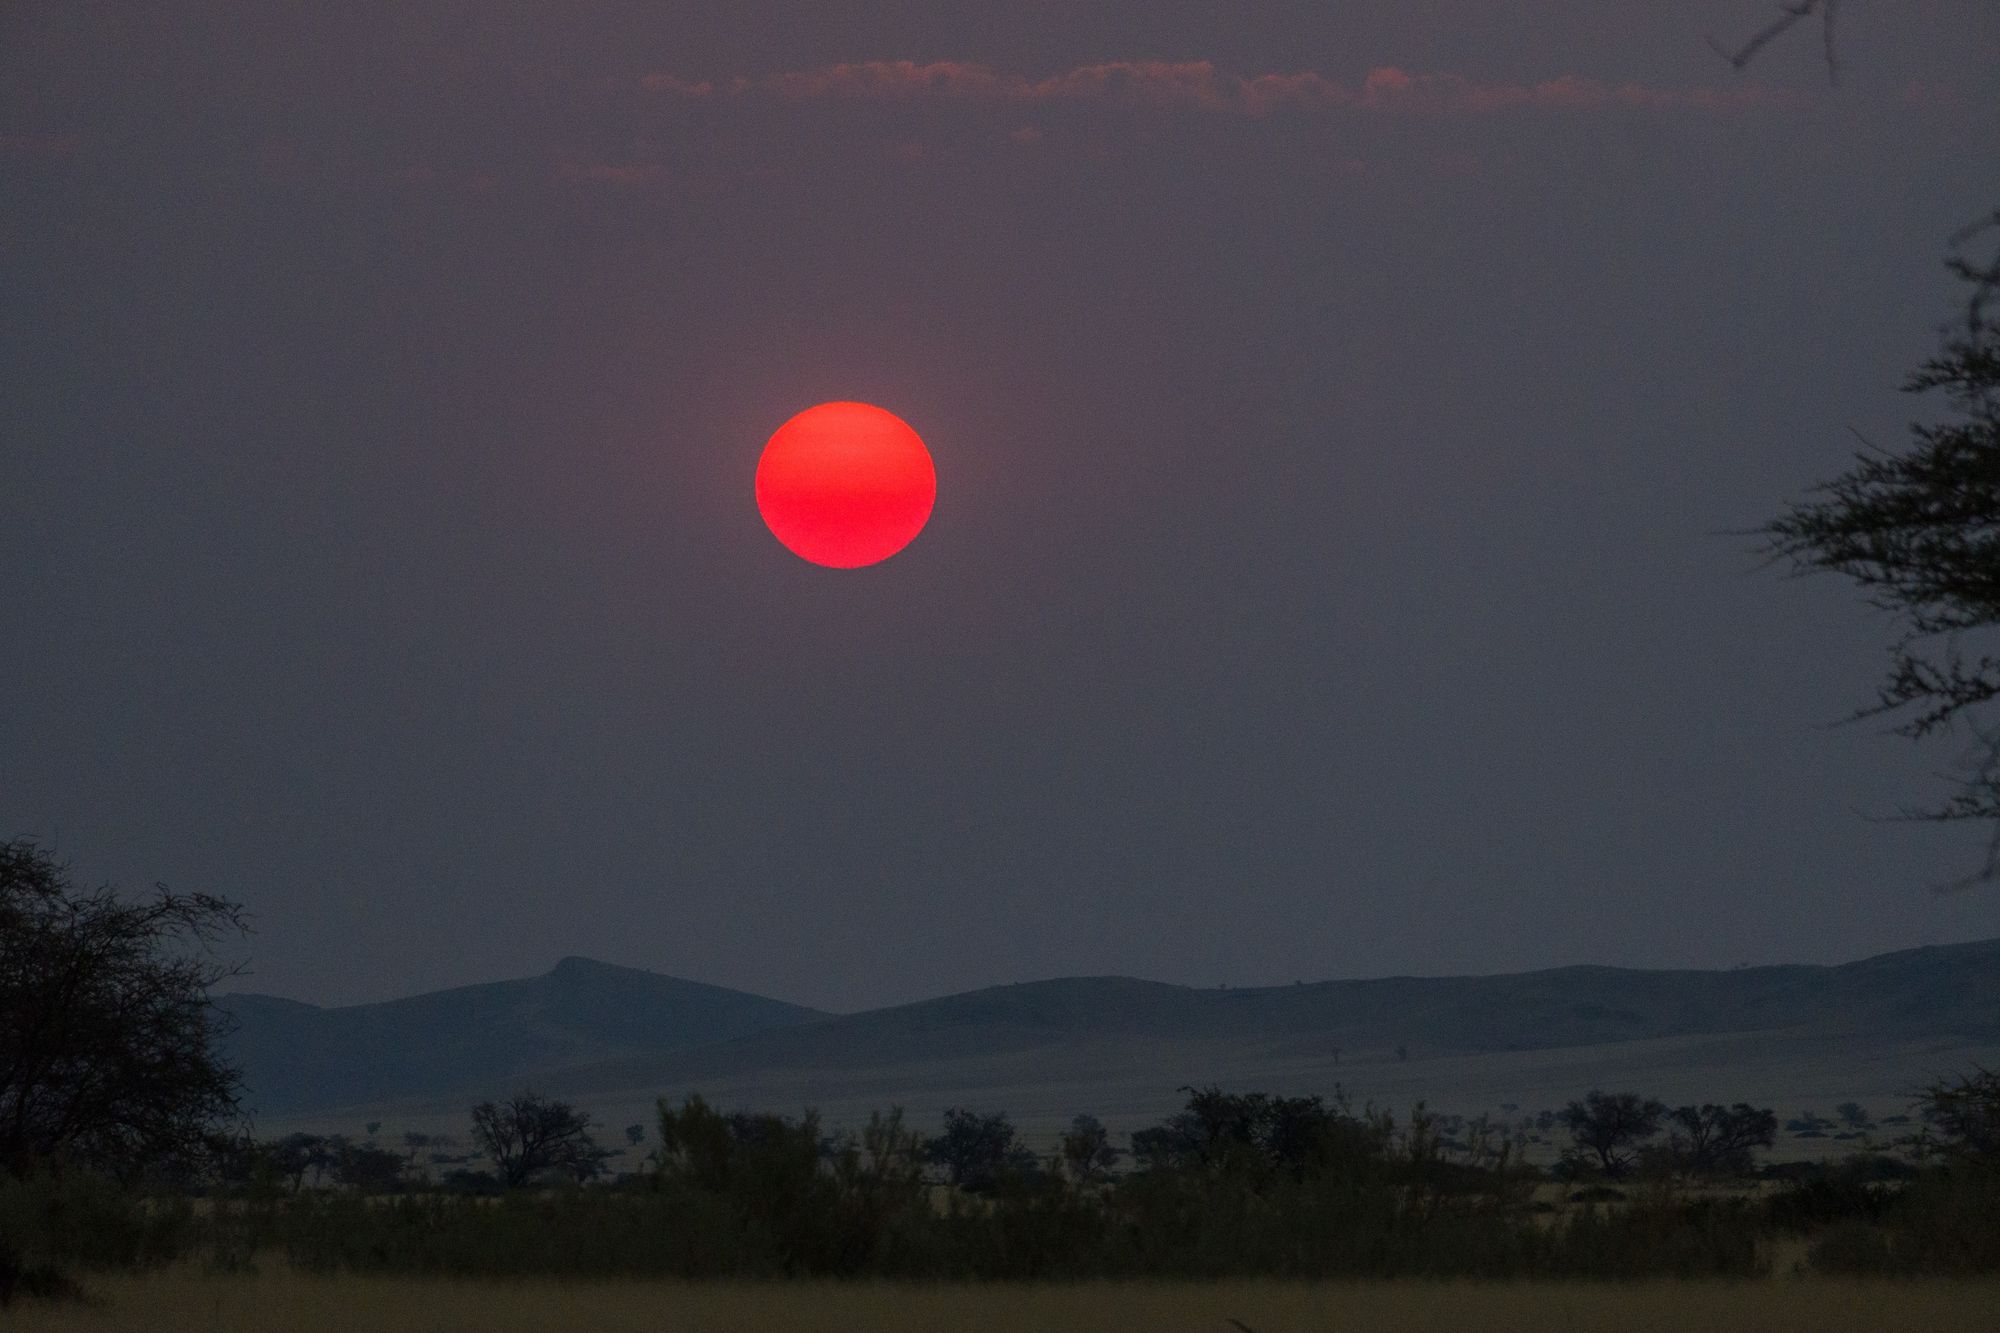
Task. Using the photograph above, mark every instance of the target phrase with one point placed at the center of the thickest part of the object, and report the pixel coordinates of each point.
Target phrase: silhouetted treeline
(1232, 1185)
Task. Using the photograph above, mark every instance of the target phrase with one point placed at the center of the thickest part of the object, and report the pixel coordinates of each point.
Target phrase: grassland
(1120, 1082)
(191, 1302)
(1793, 1039)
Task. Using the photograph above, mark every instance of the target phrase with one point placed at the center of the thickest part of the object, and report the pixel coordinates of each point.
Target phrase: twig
(1789, 14)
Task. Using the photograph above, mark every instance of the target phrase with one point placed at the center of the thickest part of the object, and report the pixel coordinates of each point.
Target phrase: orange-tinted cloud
(1391, 89)
(1196, 86)
(1194, 83)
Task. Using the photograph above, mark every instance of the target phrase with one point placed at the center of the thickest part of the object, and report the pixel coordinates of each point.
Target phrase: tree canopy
(1606, 1129)
(1919, 530)
(528, 1136)
(108, 1052)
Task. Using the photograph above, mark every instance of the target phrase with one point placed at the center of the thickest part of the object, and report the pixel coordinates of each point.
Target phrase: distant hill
(1120, 1046)
(298, 1058)
(1918, 992)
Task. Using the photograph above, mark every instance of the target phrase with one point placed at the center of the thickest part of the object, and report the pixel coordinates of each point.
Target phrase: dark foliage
(978, 1152)
(462, 1180)
(367, 1168)
(772, 1196)
(1258, 1185)
(1962, 1118)
(1255, 1135)
(1919, 531)
(528, 1137)
(107, 1039)
(755, 1196)
(1712, 1140)
(52, 1223)
(1087, 1154)
(1868, 1167)
(297, 1154)
(1946, 1222)
(1606, 1128)
(1941, 1221)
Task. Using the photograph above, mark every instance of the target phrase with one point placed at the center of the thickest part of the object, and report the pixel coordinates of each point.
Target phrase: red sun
(845, 485)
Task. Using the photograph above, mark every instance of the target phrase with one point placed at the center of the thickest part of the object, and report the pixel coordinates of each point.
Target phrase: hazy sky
(1340, 413)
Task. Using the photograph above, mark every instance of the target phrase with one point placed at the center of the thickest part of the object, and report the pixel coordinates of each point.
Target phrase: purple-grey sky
(1340, 412)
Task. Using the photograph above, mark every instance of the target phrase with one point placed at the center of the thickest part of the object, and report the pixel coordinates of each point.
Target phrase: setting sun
(845, 485)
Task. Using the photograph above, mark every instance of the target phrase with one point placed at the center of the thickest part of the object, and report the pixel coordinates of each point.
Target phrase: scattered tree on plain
(528, 1136)
(1255, 1135)
(978, 1151)
(1712, 1140)
(882, 1168)
(1606, 1129)
(367, 1169)
(695, 1142)
(1087, 1153)
(701, 1146)
(296, 1154)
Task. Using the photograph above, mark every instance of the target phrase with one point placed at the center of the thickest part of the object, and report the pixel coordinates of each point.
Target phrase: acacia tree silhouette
(1607, 1127)
(108, 1053)
(1920, 530)
(527, 1136)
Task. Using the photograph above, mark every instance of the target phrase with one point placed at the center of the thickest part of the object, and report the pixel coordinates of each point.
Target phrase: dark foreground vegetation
(1232, 1186)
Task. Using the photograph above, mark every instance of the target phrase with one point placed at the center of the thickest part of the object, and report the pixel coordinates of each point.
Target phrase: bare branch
(1789, 15)
(1744, 54)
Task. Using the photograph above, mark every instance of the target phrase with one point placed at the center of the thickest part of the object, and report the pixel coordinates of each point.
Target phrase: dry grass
(190, 1303)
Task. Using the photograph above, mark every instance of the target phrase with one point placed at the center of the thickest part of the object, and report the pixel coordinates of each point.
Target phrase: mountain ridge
(297, 1056)
(585, 1028)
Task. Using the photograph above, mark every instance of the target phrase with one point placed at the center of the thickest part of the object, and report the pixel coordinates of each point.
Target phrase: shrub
(52, 1223)
(1814, 1202)
(1852, 1249)
(1947, 1222)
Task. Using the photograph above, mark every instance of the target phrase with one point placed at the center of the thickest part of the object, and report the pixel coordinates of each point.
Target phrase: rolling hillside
(1121, 1046)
